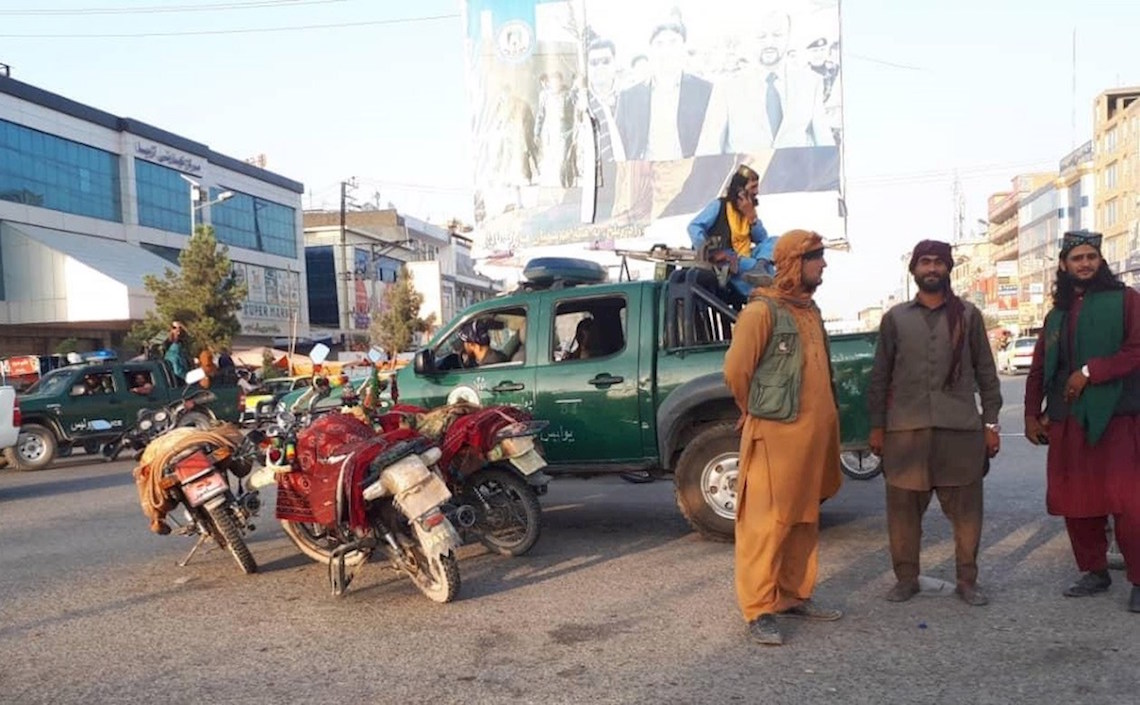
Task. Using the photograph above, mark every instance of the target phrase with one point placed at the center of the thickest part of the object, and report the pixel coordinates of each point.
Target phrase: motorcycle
(344, 492)
(491, 465)
(189, 467)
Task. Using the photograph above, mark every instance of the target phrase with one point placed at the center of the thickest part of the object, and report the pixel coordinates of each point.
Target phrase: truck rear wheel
(705, 481)
(34, 450)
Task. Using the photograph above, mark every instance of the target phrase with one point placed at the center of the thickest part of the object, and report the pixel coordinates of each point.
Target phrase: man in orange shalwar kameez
(780, 375)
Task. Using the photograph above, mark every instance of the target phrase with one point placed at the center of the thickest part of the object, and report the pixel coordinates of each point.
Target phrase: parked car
(1021, 355)
(59, 410)
(642, 390)
(272, 390)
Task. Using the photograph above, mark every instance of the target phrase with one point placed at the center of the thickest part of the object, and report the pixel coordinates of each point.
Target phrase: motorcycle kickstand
(202, 538)
(339, 576)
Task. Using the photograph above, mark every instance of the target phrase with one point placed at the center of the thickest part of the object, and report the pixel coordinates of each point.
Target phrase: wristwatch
(996, 428)
(1085, 371)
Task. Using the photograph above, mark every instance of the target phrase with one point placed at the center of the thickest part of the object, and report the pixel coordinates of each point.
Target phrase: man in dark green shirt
(932, 357)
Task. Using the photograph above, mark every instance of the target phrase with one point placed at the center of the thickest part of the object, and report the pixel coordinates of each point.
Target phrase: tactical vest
(775, 390)
(719, 236)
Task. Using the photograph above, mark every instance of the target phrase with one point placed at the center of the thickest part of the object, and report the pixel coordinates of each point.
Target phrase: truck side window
(96, 383)
(589, 328)
(506, 333)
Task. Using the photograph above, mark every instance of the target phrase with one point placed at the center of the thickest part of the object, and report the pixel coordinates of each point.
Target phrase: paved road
(617, 603)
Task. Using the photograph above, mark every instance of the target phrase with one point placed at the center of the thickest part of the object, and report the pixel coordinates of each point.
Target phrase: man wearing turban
(779, 372)
(1086, 369)
(932, 357)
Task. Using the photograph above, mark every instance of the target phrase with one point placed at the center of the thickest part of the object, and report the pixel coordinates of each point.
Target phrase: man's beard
(929, 287)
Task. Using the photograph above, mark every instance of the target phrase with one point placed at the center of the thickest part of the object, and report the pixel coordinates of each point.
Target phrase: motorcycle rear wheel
(512, 523)
(317, 544)
(436, 578)
(232, 541)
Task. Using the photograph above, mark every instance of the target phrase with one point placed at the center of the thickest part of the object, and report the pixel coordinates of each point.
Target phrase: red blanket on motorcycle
(464, 433)
(333, 454)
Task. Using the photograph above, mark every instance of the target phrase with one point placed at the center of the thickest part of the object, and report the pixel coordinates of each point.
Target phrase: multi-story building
(972, 277)
(91, 202)
(350, 269)
(1065, 203)
(1116, 130)
(1004, 222)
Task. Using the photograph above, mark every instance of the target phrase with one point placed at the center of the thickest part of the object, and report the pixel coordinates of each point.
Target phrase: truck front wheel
(705, 481)
(34, 450)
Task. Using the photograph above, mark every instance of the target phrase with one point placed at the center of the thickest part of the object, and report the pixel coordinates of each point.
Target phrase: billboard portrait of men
(601, 74)
(661, 119)
(775, 103)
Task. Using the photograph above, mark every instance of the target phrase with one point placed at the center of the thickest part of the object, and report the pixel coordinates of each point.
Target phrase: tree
(398, 319)
(67, 345)
(204, 295)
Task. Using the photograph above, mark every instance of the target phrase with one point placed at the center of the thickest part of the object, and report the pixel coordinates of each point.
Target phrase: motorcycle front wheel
(508, 517)
(317, 543)
(227, 530)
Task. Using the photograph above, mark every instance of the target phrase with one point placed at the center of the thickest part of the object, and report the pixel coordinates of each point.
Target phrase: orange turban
(788, 258)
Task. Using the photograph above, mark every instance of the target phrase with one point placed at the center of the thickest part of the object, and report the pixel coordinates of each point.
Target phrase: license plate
(199, 491)
(529, 462)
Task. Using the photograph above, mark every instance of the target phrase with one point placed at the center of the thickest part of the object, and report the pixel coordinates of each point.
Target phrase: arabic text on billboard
(595, 118)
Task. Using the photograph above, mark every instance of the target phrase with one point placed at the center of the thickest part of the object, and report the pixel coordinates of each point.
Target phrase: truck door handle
(508, 387)
(605, 380)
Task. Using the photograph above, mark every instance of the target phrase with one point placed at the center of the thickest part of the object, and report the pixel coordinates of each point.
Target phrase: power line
(151, 9)
(882, 62)
(251, 30)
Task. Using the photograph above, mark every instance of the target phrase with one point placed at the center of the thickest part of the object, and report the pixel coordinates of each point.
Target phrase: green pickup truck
(640, 390)
(58, 410)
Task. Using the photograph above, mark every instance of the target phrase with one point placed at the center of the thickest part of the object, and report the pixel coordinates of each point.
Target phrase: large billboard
(593, 119)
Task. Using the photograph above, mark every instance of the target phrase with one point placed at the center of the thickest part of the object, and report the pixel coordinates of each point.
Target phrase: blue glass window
(163, 197)
(50, 172)
(254, 223)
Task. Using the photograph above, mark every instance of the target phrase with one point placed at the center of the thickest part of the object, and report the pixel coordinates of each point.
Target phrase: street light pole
(346, 272)
(195, 196)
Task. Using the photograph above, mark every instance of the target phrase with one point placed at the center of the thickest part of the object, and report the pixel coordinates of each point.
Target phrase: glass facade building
(254, 223)
(43, 170)
(163, 197)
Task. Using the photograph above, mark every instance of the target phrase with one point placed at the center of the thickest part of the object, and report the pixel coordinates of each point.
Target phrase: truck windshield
(52, 383)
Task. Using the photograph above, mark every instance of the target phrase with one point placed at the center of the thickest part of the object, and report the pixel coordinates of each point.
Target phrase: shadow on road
(64, 484)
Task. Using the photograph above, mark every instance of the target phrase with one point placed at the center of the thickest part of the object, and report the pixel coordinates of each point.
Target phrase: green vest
(775, 390)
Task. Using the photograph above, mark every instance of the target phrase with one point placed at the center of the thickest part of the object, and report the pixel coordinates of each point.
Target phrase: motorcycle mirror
(195, 376)
(99, 425)
(319, 353)
(374, 355)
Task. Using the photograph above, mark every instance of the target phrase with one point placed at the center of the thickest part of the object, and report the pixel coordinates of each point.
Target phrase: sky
(375, 89)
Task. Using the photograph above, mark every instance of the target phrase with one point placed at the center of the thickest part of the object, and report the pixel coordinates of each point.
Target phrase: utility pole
(346, 323)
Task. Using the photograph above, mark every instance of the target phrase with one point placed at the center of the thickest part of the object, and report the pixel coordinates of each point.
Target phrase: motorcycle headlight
(160, 417)
(145, 425)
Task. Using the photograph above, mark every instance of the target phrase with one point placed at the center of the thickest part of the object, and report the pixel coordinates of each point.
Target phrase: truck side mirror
(195, 376)
(424, 362)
